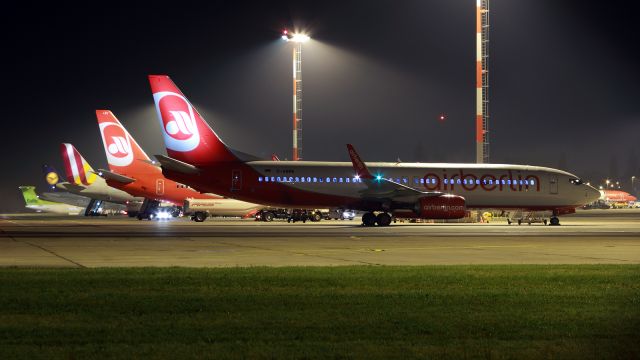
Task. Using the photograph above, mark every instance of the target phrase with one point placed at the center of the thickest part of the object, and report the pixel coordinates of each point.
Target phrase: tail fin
(187, 136)
(30, 196)
(78, 171)
(121, 148)
(50, 176)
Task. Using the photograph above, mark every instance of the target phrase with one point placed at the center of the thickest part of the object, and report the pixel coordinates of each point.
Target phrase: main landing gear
(382, 219)
(554, 221)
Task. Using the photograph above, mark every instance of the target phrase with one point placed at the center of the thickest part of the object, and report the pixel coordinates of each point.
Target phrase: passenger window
(459, 181)
(346, 180)
(531, 182)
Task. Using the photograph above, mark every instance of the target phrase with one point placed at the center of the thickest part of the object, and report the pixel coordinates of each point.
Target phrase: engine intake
(441, 207)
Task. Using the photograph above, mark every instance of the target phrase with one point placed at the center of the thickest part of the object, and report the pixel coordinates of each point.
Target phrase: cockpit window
(576, 181)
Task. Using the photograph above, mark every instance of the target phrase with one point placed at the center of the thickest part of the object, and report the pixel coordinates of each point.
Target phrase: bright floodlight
(295, 37)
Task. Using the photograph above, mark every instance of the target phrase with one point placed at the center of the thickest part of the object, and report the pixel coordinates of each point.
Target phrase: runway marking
(295, 252)
(43, 249)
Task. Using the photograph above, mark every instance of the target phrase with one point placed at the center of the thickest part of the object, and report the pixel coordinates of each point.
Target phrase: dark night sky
(565, 80)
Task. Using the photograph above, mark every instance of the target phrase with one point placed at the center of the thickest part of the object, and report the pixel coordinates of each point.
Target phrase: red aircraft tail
(124, 155)
(187, 136)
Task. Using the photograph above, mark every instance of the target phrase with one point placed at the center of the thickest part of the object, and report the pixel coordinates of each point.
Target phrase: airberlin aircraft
(131, 170)
(199, 158)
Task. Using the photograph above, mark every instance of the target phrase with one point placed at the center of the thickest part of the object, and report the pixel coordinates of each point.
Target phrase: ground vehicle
(271, 214)
(528, 217)
(598, 204)
(291, 215)
(340, 214)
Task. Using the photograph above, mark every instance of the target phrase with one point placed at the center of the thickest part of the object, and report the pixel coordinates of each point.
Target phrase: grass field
(346, 312)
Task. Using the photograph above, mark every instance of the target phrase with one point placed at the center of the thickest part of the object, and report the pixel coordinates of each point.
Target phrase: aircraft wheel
(268, 216)
(368, 219)
(545, 222)
(199, 216)
(519, 222)
(554, 221)
(383, 219)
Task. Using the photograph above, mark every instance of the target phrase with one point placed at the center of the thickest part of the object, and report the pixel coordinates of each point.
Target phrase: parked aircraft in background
(617, 196)
(199, 158)
(83, 180)
(131, 170)
(33, 202)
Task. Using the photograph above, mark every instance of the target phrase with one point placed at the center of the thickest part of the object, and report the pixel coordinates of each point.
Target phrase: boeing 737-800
(200, 159)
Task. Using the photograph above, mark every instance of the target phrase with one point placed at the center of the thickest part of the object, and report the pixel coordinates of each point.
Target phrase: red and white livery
(131, 170)
(423, 190)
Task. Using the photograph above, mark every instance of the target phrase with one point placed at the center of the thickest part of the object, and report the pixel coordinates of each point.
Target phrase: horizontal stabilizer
(176, 165)
(108, 175)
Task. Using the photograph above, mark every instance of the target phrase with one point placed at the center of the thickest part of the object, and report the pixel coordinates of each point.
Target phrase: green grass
(341, 312)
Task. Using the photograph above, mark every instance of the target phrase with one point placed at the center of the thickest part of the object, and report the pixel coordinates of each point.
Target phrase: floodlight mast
(297, 39)
(482, 81)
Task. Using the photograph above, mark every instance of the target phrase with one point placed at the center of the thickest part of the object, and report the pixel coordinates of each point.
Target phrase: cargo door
(553, 184)
(236, 180)
(159, 186)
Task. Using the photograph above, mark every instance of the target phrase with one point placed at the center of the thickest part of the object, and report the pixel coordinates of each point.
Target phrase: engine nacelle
(441, 207)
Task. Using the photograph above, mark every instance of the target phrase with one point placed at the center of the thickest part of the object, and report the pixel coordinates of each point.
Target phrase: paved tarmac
(38, 240)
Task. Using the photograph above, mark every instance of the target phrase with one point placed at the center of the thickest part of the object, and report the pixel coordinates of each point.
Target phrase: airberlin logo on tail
(178, 122)
(117, 144)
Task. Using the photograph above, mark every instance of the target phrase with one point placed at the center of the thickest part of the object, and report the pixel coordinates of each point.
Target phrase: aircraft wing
(177, 165)
(384, 189)
(108, 175)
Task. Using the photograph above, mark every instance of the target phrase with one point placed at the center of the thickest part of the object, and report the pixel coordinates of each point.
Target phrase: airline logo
(78, 171)
(52, 178)
(117, 144)
(177, 120)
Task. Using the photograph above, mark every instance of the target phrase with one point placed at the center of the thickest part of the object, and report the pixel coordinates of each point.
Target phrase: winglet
(358, 164)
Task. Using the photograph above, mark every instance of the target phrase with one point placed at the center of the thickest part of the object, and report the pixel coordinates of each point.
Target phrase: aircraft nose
(591, 194)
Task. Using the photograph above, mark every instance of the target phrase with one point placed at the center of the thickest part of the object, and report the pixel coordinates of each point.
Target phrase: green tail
(31, 198)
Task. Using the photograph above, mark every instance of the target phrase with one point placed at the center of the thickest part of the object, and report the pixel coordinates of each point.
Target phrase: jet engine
(441, 207)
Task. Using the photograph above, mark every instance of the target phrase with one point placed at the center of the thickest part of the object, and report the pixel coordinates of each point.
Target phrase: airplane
(131, 170)
(33, 202)
(198, 157)
(58, 195)
(617, 196)
(83, 180)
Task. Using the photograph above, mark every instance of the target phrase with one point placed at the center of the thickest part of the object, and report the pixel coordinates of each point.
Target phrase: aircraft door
(553, 184)
(236, 180)
(159, 186)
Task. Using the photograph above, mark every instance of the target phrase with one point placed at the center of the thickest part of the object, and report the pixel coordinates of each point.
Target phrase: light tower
(297, 39)
(482, 81)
